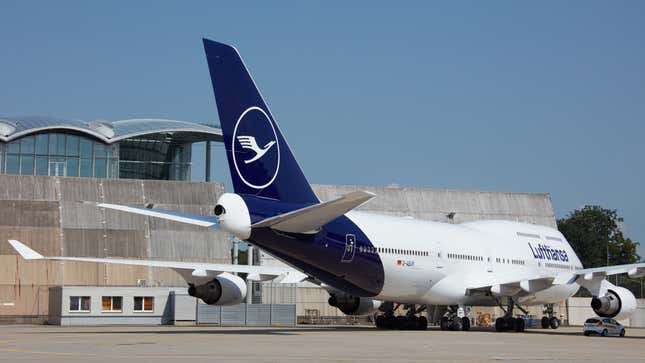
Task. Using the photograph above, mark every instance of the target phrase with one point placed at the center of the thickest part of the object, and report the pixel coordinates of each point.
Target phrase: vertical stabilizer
(260, 161)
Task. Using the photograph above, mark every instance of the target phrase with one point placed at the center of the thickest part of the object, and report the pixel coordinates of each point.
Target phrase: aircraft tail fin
(260, 160)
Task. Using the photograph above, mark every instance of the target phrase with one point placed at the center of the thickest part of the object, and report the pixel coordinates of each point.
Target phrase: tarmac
(51, 344)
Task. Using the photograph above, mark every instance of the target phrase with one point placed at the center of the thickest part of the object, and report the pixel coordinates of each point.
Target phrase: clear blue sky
(546, 96)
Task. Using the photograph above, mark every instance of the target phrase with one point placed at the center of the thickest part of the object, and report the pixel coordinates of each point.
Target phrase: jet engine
(233, 215)
(617, 302)
(225, 289)
(352, 305)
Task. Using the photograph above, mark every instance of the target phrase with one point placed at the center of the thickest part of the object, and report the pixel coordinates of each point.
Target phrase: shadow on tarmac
(216, 330)
(555, 333)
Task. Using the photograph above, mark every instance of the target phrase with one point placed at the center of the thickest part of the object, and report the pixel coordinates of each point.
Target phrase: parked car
(603, 327)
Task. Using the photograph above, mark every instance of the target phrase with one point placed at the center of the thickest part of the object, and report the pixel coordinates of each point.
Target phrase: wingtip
(24, 251)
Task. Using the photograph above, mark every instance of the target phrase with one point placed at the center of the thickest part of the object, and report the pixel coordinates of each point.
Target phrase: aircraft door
(489, 263)
(438, 256)
(350, 248)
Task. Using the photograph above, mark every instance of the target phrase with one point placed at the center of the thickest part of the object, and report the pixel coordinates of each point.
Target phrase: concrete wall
(47, 214)
(436, 204)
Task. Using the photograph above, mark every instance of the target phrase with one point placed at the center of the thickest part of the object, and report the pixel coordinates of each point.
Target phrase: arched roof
(12, 128)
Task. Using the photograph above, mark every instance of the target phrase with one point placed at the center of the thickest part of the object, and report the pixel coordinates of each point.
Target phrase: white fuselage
(436, 263)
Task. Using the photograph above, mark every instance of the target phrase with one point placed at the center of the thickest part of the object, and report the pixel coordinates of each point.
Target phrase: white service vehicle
(603, 327)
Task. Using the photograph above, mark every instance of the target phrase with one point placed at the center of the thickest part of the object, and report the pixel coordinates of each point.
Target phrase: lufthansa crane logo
(248, 142)
(257, 166)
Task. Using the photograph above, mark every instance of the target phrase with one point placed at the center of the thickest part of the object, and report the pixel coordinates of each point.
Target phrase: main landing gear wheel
(457, 324)
(500, 324)
(549, 321)
(443, 324)
(455, 319)
(402, 322)
(422, 323)
(554, 322)
(519, 325)
(508, 322)
(380, 321)
(465, 324)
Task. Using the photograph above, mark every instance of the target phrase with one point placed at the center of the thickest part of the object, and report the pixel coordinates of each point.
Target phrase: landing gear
(454, 319)
(508, 322)
(408, 322)
(554, 322)
(465, 324)
(549, 321)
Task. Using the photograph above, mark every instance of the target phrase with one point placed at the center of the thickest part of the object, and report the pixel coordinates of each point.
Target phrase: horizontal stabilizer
(194, 219)
(313, 217)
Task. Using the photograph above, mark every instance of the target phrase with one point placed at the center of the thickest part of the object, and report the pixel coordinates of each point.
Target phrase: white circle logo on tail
(255, 150)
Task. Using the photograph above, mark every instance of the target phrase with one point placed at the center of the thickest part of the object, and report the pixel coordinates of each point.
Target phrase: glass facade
(154, 157)
(57, 154)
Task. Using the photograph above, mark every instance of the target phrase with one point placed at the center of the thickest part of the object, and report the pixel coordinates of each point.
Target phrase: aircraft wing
(634, 270)
(190, 271)
(313, 217)
(195, 219)
(589, 278)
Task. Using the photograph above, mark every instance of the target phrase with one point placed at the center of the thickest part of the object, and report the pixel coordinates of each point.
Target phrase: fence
(247, 315)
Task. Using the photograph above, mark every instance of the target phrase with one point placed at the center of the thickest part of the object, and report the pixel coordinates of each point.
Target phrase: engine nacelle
(617, 302)
(233, 215)
(352, 305)
(225, 289)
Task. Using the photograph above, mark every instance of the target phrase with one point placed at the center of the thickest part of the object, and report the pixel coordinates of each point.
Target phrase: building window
(27, 165)
(79, 304)
(13, 164)
(59, 155)
(112, 303)
(154, 157)
(143, 303)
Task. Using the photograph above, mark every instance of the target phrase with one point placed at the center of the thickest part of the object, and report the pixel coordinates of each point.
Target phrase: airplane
(369, 263)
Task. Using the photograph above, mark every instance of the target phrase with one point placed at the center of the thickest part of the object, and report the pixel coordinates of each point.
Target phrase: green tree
(595, 235)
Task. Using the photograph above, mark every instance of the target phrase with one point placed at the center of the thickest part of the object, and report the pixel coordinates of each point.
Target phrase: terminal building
(50, 166)
(126, 149)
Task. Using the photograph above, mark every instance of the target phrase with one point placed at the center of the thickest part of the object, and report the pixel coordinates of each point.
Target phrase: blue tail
(259, 158)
